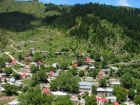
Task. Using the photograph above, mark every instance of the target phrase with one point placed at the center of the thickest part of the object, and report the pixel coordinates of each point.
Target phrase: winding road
(7, 53)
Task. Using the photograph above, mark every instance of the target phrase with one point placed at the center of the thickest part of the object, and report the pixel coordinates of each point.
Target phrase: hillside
(112, 31)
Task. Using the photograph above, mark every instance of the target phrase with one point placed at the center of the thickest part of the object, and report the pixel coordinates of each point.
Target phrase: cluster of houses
(103, 94)
(10, 80)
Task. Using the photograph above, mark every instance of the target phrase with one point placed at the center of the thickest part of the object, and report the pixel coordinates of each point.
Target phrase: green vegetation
(65, 82)
(109, 35)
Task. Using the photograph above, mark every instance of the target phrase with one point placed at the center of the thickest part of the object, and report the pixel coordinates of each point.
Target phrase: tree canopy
(65, 82)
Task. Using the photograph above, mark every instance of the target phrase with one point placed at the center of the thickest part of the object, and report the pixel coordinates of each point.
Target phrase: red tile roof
(13, 61)
(46, 91)
(116, 103)
(104, 100)
(51, 73)
(39, 62)
(75, 65)
(24, 75)
(98, 98)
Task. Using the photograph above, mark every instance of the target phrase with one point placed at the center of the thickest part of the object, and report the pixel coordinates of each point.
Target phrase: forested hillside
(114, 30)
(98, 23)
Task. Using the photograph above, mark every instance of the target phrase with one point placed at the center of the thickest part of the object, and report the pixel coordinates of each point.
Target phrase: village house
(84, 67)
(74, 98)
(114, 82)
(27, 68)
(32, 50)
(12, 63)
(100, 75)
(109, 91)
(46, 91)
(91, 67)
(111, 98)
(101, 92)
(55, 65)
(25, 75)
(103, 73)
(18, 83)
(85, 86)
(2, 77)
(101, 100)
(59, 93)
(89, 79)
(88, 60)
(2, 90)
(14, 102)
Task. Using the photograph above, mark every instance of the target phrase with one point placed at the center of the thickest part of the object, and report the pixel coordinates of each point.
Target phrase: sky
(130, 3)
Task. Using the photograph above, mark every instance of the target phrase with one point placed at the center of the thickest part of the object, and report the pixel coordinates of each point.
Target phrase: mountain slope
(111, 31)
(87, 20)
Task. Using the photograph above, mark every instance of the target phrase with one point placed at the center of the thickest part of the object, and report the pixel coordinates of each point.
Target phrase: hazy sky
(131, 3)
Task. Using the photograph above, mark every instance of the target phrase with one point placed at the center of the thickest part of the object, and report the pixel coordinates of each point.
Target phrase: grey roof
(2, 74)
(109, 89)
(12, 79)
(100, 89)
(85, 87)
(85, 84)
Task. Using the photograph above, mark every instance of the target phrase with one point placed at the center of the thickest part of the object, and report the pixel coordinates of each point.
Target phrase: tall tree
(120, 93)
(66, 82)
(8, 71)
(126, 80)
(91, 100)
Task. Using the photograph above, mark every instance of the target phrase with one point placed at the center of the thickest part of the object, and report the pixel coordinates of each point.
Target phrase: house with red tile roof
(75, 65)
(100, 75)
(13, 62)
(46, 91)
(51, 73)
(88, 60)
(39, 62)
(116, 103)
(25, 75)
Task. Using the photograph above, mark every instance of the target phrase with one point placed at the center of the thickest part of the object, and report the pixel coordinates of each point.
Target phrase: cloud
(123, 3)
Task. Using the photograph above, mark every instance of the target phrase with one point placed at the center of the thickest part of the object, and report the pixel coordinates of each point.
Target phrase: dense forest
(84, 22)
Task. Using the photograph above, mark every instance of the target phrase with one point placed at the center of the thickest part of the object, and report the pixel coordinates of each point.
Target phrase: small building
(24, 75)
(2, 75)
(114, 82)
(58, 93)
(74, 98)
(2, 90)
(27, 58)
(12, 63)
(46, 91)
(75, 65)
(85, 86)
(89, 79)
(100, 92)
(111, 98)
(12, 80)
(100, 75)
(55, 65)
(105, 72)
(116, 103)
(18, 83)
(109, 91)
(38, 62)
(14, 102)
(27, 68)
(92, 67)
(32, 50)
(51, 73)
(87, 60)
